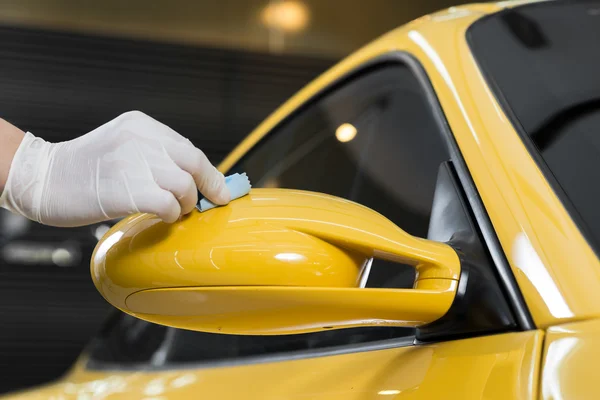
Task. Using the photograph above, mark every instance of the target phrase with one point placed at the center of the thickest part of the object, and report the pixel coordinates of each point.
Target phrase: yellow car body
(559, 280)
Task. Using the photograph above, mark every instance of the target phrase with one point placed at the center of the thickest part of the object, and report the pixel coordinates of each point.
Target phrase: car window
(373, 140)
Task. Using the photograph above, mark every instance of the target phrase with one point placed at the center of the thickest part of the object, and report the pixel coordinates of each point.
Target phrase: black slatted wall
(59, 86)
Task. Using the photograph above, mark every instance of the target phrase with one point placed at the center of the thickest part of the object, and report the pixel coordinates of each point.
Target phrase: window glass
(374, 141)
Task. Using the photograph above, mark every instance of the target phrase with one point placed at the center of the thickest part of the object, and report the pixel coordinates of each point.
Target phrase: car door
(376, 137)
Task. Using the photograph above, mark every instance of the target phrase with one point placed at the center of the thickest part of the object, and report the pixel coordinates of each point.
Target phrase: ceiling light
(289, 16)
(345, 132)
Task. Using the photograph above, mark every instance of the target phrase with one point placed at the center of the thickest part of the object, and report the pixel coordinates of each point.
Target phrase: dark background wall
(60, 86)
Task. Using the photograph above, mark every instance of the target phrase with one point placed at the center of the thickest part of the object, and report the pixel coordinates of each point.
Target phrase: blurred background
(212, 70)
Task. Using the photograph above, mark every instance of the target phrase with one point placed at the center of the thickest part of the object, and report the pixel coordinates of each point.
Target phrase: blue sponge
(239, 186)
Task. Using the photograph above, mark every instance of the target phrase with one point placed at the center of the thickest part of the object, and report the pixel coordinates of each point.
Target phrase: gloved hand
(131, 164)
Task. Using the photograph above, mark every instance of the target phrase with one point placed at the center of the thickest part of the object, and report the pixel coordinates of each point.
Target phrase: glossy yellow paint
(556, 269)
(558, 273)
(570, 366)
(496, 367)
(277, 310)
(276, 261)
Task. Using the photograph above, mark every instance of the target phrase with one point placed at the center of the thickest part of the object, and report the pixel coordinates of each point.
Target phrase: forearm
(10, 138)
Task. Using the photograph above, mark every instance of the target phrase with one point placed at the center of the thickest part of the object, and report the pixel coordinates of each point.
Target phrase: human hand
(130, 164)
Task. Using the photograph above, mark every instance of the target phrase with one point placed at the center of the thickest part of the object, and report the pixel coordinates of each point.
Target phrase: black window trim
(507, 279)
(258, 359)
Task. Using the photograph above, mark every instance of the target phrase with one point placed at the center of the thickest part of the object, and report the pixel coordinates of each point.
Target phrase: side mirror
(274, 262)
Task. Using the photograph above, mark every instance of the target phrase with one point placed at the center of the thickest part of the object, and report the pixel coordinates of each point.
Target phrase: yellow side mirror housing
(274, 262)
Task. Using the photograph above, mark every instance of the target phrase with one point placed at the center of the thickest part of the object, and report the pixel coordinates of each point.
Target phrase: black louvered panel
(60, 86)
(47, 314)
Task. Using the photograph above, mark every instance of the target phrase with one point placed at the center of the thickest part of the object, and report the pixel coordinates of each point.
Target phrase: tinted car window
(542, 63)
(390, 165)
(373, 140)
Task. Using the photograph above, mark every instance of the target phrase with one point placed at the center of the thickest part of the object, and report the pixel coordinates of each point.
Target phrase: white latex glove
(131, 164)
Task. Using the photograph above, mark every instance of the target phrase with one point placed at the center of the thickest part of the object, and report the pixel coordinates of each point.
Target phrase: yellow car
(424, 224)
